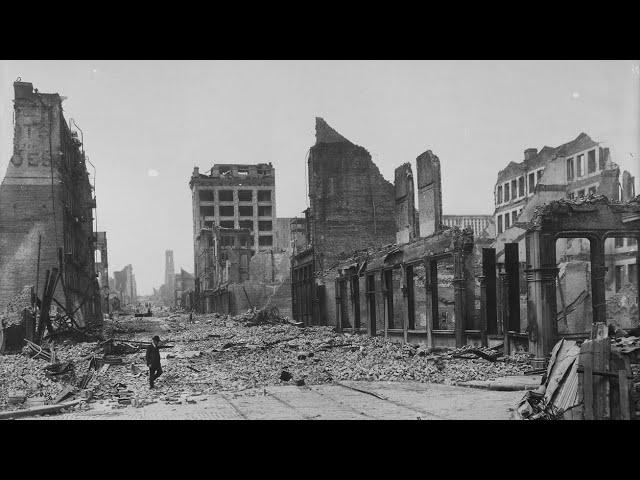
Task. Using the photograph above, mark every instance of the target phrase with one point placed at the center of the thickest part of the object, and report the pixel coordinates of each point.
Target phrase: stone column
(429, 193)
(541, 292)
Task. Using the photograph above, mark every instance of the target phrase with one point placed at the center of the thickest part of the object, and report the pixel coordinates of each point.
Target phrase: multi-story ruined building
(236, 196)
(184, 289)
(573, 171)
(241, 248)
(102, 269)
(125, 286)
(47, 201)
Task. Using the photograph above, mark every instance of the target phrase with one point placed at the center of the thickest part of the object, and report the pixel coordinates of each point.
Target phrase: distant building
(125, 286)
(184, 289)
(478, 223)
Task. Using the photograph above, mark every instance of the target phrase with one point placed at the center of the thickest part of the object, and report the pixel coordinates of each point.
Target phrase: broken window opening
(514, 217)
(265, 241)
(591, 161)
(245, 195)
(372, 303)
(264, 211)
(573, 286)
(514, 191)
(264, 195)
(206, 211)
(227, 241)
(539, 174)
(418, 304)
(621, 282)
(227, 224)
(445, 294)
(265, 226)
(206, 195)
(225, 195)
(226, 210)
(579, 165)
(354, 297)
(499, 223)
(532, 183)
(245, 210)
(592, 190)
(344, 310)
(570, 171)
(246, 224)
(507, 220)
(521, 187)
(580, 193)
(506, 192)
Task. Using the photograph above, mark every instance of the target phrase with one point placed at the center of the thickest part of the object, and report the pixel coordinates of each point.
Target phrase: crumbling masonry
(46, 200)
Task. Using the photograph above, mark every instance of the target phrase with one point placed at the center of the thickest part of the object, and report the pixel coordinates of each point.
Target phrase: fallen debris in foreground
(224, 353)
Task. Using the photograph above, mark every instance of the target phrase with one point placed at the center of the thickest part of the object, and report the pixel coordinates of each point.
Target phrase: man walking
(153, 360)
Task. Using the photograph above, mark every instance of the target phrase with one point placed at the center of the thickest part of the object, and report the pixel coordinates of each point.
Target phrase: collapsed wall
(352, 205)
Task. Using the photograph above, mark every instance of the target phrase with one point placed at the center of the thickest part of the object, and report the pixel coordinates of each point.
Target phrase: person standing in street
(153, 360)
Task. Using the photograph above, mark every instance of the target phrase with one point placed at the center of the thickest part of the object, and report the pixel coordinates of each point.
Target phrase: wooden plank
(625, 409)
(588, 388)
(38, 410)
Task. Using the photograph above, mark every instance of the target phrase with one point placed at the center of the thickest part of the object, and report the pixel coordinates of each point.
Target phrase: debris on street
(229, 353)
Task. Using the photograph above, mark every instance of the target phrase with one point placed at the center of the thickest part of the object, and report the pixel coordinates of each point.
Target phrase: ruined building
(575, 170)
(482, 225)
(184, 289)
(102, 269)
(125, 286)
(241, 249)
(46, 208)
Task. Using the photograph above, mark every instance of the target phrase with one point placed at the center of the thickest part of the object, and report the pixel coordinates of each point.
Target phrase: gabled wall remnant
(352, 205)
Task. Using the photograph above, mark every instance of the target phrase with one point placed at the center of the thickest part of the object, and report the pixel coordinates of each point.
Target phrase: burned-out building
(102, 269)
(184, 289)
(46, 208)
(241, 249)
(574, 171)
(125, 286)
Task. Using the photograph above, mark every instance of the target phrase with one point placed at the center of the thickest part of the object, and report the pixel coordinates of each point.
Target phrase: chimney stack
(529, 153)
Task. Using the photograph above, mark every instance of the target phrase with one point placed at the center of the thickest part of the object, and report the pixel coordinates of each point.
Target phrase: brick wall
(352, 205)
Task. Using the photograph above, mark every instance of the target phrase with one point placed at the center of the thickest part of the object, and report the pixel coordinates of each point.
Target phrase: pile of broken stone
(221, 353)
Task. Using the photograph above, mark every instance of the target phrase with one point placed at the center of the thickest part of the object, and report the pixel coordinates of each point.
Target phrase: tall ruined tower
(46, 195)
(352, 205)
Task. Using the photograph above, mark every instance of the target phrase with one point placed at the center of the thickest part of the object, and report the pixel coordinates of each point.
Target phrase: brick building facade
(46, 194)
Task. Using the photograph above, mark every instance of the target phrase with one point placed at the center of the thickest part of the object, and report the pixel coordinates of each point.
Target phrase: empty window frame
(506, 192)
(226, 210)
(601, 160)
(245, 210)
(245, 195)
(591, 161)
(265, 226)
(265, 210)
(264, 195)
(621, 282)
(246, 224)
(507, 220)
(573, 286)
(208, 224)
(445, 294)
(580, 165)
(580, 193)
(500, 224)
(514, 216)
(514, 189)
(225, 195)
(206, 211)
(571, 195)
(417, 295)
(539, 175)
(265, 240)
(521, 187)
(227, 224)
(206, 195)
(227, 241)
(592, 190)
(570, 170)
(532, 183)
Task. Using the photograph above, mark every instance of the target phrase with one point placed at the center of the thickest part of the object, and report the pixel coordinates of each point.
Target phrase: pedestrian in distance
(153, 360)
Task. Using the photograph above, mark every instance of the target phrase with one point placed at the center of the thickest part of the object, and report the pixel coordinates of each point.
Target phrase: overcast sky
(148, 123)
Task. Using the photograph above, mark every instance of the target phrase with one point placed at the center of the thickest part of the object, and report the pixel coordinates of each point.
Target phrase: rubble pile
(224, 353)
